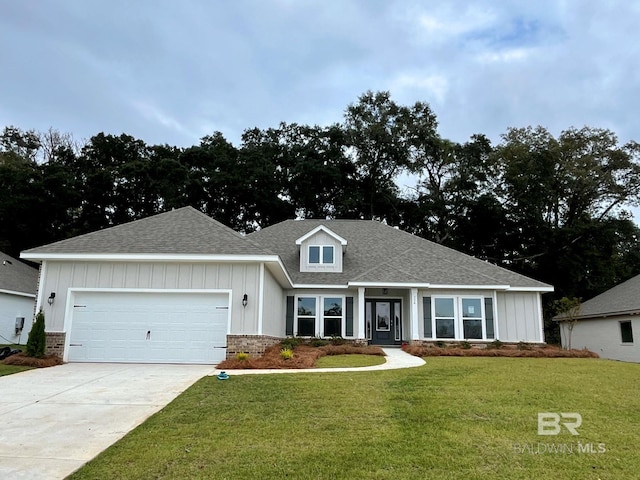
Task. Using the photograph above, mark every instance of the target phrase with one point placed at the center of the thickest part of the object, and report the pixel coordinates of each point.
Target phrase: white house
(608, 324)
(181, 287)
(18, 285)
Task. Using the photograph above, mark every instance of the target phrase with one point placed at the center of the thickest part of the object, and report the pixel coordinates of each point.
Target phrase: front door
(383, 320)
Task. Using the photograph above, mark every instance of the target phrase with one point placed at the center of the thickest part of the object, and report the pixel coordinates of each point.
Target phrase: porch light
(51, 298)
(244, 300)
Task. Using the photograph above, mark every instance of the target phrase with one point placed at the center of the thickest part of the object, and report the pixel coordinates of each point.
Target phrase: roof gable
(15, 276)
(619, 300)
(321, 228)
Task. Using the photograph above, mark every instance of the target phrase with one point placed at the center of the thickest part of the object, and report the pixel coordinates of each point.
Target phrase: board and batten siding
(273, 311)
(320, 238)
(241, 278)
(603, 337)
(519, 317)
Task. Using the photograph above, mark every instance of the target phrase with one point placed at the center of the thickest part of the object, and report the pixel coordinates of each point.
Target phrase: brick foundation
(254, 345)
(55, 343)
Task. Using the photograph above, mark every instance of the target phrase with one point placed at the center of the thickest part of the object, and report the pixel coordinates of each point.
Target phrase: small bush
(242, 356)
(37, 341)
(495, 345)
(441, 344)
(466, 345)
(337, 340)
(318, 342)
(286, 354)
(290, 342)
(524, 346)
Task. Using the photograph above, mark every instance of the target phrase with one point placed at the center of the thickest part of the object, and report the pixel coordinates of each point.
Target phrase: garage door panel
(149, 327)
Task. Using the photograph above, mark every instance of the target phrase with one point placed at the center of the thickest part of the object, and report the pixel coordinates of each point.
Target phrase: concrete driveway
(54, 420)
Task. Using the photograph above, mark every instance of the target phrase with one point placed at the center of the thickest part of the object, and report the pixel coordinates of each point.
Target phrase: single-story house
(608, 324)
(181, 287)
(18, 286)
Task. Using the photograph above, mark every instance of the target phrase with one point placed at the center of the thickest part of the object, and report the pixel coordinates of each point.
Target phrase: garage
(148, 327)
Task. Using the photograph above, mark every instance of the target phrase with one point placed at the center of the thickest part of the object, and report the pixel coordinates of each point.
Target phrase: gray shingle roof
(181, 231)
(619, 300)
(379, 253)
(17, 276)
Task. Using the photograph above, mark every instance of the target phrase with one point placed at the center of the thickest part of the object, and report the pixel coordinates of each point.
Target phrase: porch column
(361, 326)
(414, 315)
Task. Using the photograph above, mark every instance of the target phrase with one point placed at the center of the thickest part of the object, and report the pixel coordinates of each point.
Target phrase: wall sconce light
(244, 300)
(51, 298)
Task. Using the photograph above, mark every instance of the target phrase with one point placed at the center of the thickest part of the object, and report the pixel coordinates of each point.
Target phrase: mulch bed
(21, 359)
(304, 356)
(537, 352)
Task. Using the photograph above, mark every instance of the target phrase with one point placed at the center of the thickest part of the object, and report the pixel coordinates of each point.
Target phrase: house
(608, 324)
(181, 287)
(18, 285)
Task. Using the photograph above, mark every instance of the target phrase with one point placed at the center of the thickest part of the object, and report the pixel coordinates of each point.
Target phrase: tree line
(554, 208)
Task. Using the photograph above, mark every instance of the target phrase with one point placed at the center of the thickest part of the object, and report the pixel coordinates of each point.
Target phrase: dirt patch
(21, 359)
(537, 352)
(304, 356)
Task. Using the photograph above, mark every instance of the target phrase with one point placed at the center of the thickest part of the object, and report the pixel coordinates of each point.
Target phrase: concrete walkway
(395, 358)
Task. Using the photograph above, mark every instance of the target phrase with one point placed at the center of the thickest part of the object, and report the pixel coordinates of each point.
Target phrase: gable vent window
(321, 255)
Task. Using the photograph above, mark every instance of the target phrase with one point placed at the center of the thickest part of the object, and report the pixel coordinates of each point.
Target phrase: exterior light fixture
(51, 298)
(244, 300)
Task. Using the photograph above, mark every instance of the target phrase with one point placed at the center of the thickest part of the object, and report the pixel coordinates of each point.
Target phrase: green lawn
(462, 418)
(353, 360)
(9, 369)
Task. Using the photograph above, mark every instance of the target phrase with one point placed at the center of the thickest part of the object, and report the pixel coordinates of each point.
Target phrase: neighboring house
(181, 287)
(18, 285)
(608, 324)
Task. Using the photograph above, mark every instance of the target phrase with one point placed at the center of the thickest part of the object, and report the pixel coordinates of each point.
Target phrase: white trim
(317, 287)
(532, 289)
(362, 327)
(469, 287)
(496, 333)
(150, 257)
(260, 298)
(388, 285)
(319, 228)
(19, 294)
(41, 281)
(415, 333)
(319, 316)
(72, 291)
(540, 316)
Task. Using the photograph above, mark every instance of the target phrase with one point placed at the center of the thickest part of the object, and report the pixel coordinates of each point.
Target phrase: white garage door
(158, 327)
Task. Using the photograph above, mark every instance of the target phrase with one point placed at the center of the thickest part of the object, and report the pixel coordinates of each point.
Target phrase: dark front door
(383, 321)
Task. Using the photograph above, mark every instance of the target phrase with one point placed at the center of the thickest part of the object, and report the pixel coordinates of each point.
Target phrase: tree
(37, 340)
(569, 310)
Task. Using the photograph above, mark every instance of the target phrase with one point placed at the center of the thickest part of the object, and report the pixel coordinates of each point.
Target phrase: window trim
(459, 318)
(321, 251)
(319, 316)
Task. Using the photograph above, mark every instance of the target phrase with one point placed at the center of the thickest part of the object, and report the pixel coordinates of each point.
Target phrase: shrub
(37, 341)
(318, 342)
(337, 340)
(286, 354)
(290, 342)
(466, 345)
(524, 346)
(496, 345)
(242, 356)
(441, 344)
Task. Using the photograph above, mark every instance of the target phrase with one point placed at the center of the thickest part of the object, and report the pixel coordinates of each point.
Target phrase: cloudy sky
(168, 71)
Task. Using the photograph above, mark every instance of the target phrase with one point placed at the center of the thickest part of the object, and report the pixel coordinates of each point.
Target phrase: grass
(454, 418)
(9, 369)
(340, 361)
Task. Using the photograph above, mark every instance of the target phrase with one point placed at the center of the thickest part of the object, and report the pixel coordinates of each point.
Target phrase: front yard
(456, 417)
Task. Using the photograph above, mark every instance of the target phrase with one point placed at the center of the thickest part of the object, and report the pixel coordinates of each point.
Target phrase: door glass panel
(383, 316)
(367, 313)
(396, 321)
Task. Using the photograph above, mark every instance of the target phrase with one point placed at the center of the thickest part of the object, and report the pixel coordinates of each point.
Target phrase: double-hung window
(460, 318)
(320, 316)
(444, 317)
(321, 254)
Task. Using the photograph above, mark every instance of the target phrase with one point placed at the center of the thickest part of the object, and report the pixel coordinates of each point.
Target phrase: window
(444, 317)
(320, 316)
(626, 332)
(332, 317)
(472, 318)
(306, 316)
(460, 318)
(327, 256)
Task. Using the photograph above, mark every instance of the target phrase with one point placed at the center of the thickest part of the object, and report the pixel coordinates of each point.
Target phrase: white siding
(273, 312)
(603, 337)
(519, 317)
(241, 278)
(320, 238)
(11, 307)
